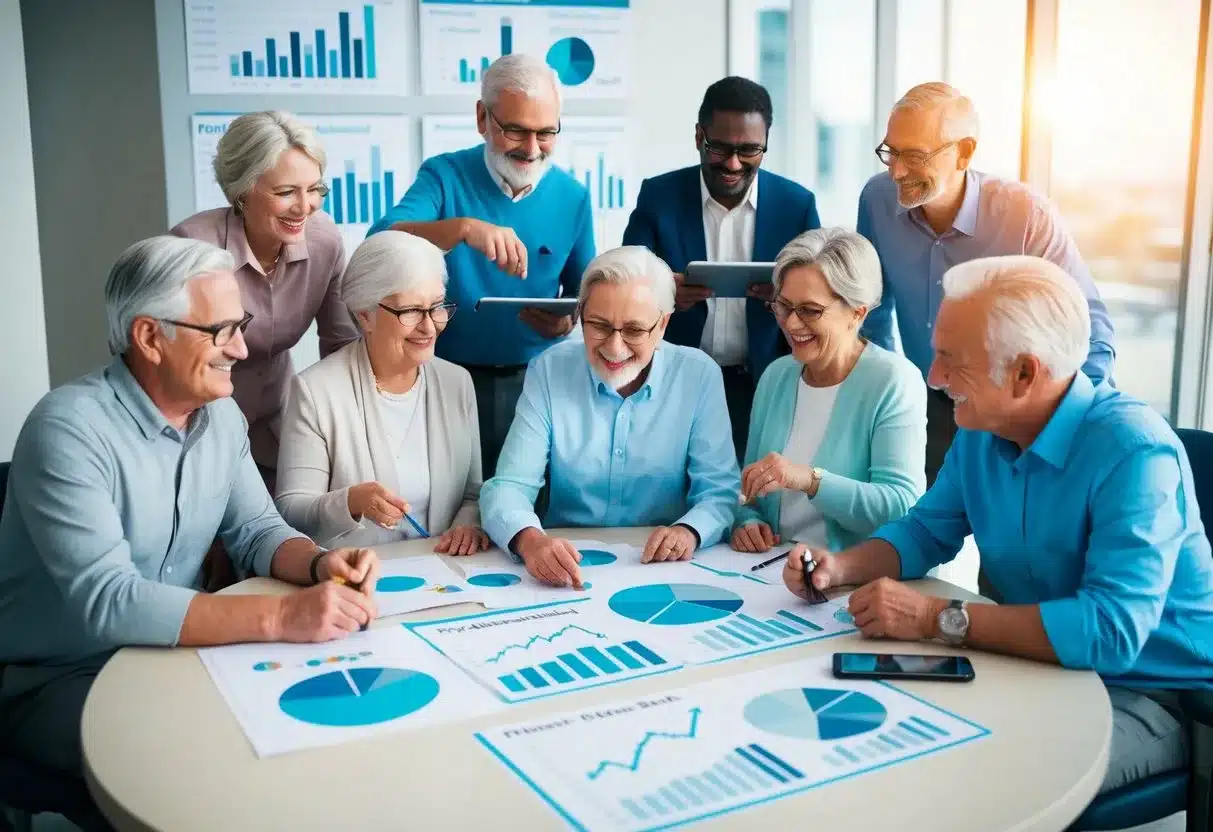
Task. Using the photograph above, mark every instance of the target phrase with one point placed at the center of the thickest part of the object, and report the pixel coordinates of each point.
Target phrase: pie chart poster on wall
(587, 43)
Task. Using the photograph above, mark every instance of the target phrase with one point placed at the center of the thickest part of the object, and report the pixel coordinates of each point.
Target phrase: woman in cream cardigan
(381, 428)
(838, 431)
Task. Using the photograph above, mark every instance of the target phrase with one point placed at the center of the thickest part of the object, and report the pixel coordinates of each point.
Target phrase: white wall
(23, 371)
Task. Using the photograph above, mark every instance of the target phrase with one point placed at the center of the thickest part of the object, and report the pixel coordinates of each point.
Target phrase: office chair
(1162, 795)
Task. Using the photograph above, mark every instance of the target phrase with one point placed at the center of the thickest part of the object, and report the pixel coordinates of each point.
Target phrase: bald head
(942, 108)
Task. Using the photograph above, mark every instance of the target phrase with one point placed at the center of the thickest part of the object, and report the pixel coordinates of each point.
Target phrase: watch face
(953, 622)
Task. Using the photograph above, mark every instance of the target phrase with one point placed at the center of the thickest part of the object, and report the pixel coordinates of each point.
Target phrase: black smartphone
(906, 666)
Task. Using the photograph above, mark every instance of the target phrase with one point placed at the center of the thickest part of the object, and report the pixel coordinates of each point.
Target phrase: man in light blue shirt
(931, 211)
(1082, 504)
(634, 432)
(120, 482)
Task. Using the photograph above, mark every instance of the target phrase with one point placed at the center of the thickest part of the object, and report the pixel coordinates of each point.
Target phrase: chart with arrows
(698, 752)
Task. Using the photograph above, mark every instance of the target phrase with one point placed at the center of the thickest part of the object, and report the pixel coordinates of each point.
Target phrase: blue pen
(416, 526)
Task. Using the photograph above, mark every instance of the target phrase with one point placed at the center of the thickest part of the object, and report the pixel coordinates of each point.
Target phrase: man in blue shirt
(120, 481)
(502, 212)
(632, 431)
(1082, 504)
(725, 209)
(931, 211)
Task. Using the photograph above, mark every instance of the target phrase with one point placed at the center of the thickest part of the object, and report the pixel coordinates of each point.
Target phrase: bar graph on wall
(596, 151)
(305, 46)
(368, 167)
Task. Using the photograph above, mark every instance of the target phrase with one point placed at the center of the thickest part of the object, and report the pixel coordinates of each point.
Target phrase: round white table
(163, 752)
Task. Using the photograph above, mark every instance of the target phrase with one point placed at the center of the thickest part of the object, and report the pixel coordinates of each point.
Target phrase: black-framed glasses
(221, 333)
(515, 133)
(439, 313)
(632, 335)
(808, 313)
(720, 151)
(912, 158)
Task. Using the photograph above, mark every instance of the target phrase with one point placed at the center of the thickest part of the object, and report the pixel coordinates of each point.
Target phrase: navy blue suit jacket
(668, 220)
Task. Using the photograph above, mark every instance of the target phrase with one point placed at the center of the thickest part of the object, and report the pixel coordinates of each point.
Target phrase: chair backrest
(1199, 447)
(3, 483)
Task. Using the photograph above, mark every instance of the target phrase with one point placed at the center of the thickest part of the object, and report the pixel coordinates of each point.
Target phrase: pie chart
(843, 617)
(572, 59)
(495, 579)
(815, 713)
(398, 583)
(675, 604)
(596, 557)
(358, 696)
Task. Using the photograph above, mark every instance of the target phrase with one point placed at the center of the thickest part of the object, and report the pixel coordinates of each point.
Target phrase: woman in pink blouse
(289, 258)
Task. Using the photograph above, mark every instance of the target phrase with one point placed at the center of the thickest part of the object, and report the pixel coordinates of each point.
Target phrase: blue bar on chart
(235, 66)
(744, 771)
(284, 66)
(309, 62)
(259, 68)
(911, 728)
(351, 200)
(357, 57)
(271, 57)
(584, 663)
(351, 192)
(296, 56)
(343, 28)
(333, 203)
(746, 631)
(507, 36)
(368, 38)
(332, 63)
(354, 57)
(248, 64)
(376, 183)
(320, 53)
(609, 190)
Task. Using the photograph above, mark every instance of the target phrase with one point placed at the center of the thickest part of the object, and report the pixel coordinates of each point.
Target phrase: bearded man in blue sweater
(512, 226)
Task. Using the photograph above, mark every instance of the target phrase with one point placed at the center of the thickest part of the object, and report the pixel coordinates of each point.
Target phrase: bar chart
(310, 46)
(584, 663)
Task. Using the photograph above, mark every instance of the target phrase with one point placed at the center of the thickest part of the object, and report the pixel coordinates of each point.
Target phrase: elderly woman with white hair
(380, 440)
(838, 432)
(288, 255)
(633, 431)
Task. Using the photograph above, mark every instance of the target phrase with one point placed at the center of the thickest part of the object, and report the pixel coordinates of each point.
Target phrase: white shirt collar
(751, 197)
(500, 180)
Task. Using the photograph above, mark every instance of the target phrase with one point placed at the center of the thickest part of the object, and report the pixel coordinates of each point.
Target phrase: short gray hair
(252, 145)
(958, 116)
(521, 73)
(150, 279)
(631, 264)
(387, 263)
(1037, 309)
(848, 261)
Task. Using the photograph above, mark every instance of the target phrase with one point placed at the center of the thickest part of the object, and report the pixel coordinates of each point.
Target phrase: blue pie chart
(358, 696)
(572, 59)
(596, 557)
(398, 583)
(815, 713)
(675, 604)
(495, 579)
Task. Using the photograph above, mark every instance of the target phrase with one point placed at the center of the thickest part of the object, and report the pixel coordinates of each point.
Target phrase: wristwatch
(818, 473)
(953, 622)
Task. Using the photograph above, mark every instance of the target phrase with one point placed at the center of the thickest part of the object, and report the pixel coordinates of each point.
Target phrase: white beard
(624, 377)
(930, 196)
(516, 178)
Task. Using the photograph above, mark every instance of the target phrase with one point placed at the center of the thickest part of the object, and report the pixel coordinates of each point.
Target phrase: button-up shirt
(996, 217)
(110, 512)
(661, 456)
(303, 287)
(729, 237)
(1096, 522)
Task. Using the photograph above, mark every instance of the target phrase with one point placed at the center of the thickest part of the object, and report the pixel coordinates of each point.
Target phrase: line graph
(533, 640)
(690, 734)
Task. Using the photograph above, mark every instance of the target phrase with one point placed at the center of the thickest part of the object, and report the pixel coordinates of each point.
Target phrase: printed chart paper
(694, 753)
(293, 696)
(419, 583)
(727, 562)
(507, 584)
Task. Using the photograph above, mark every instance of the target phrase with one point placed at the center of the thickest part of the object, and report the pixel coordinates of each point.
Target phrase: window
(759, 49)
(920, 43)
(1121, 110)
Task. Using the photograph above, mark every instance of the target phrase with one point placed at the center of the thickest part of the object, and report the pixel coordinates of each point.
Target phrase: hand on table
(462, 540)
(825, 575)
(338, 605)
(773, 473)
(547, 324)
(552, 560)
(499, 244)
(377, 504)
(886, 608)
(669, 543)
(688, 294)
(754, 537)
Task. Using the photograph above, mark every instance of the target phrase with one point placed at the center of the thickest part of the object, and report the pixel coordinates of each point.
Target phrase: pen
(416, 525)
(767, 563)
(816, 596)
(356, 587)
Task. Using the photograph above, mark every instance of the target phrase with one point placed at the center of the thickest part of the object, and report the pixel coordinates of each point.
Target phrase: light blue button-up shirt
(1097, 522)
(997, 217)
(663, 455)
(110, 512)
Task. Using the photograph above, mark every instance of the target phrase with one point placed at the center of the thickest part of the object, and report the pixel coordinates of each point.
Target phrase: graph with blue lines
(689, 754)
(347, 46)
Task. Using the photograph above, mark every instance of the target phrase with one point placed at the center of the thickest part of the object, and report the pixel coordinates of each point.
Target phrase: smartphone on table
(903, 666)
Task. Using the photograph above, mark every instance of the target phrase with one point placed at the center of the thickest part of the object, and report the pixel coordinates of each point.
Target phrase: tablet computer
(728, 280)
(557, 306)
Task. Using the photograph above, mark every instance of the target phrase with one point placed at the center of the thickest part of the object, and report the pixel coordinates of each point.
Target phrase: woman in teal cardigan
(838, 432)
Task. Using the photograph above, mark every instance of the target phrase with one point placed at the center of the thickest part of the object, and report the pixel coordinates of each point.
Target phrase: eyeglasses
(720, 151)
(912, 158)
(631, 334)
(520, 134)
(221, 333)
(411, 316)
(808, 313)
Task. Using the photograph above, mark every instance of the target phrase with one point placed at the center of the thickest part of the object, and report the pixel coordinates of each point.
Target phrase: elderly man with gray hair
(501, 211)
(631, 430)
(930, 211)
(120, 480)
(1082, 504)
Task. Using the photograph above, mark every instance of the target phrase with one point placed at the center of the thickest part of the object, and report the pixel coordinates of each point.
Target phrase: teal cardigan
(873, 452)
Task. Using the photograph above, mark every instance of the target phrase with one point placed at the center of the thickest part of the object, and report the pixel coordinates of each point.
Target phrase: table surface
(163, 751)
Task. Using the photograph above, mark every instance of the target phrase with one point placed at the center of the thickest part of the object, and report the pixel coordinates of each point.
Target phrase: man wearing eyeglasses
(501, 212)
(931, 211)
(725, 209)
(120, 480)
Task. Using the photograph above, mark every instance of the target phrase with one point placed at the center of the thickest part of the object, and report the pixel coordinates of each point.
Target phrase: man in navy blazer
(725, 209)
